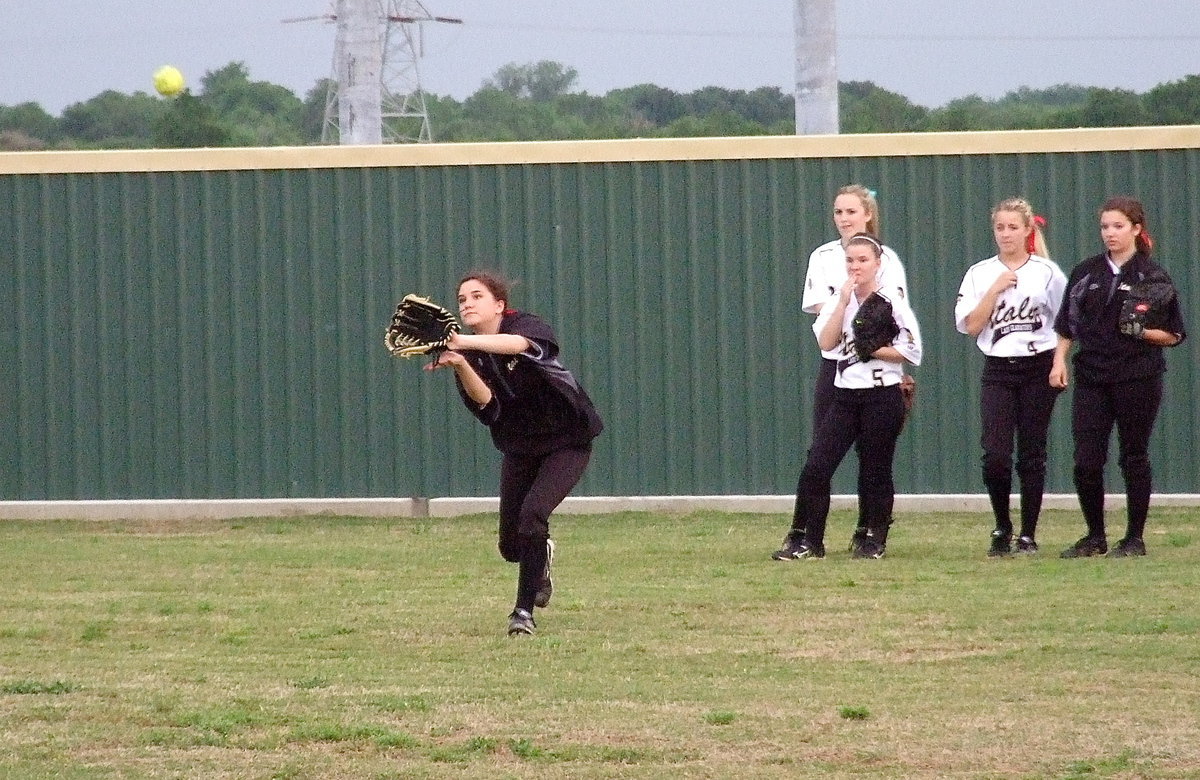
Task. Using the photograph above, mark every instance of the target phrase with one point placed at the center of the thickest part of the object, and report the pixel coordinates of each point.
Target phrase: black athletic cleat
(1001, 544)
(546, 589)
(791, 543)
(1026, 545)
(1086, 547)
(798, 550)
(1128, 548)
(857, 537)
(520, 623)
(868, 548)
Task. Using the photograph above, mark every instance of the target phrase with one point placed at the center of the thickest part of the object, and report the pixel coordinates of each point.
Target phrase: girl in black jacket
(543, 422)
(1118, 377)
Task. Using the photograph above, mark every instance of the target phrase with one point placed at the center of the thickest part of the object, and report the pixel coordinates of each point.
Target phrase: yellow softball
(168, 81)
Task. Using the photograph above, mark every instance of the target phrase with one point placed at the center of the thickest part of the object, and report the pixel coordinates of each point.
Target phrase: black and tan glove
(419, 327)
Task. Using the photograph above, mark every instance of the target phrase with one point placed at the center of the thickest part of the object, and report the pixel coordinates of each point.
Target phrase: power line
(1033, 38)
(777, 35)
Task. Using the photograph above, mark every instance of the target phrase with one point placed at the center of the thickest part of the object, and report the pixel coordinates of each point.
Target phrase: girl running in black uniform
(543, 422)
(1118, 377)
(866, 409)
(1008, 304)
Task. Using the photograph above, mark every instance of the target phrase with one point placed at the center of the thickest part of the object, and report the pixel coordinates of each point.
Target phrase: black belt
(1019, 359)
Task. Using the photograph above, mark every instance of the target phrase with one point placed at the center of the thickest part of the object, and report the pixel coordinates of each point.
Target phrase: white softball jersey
(1022, 322)
(827, 273)
(853, 374)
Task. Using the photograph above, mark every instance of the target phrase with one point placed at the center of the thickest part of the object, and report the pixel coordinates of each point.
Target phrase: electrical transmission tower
(375, 94)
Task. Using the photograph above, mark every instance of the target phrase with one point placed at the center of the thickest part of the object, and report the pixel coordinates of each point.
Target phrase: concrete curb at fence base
(224, 509)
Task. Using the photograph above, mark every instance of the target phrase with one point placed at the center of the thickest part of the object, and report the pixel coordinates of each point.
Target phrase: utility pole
(358, 71)
(816, 67)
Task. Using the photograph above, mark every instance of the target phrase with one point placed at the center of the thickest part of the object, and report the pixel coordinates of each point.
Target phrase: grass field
(319, 648)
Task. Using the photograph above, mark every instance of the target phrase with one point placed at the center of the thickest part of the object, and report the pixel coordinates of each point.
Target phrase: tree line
(539, 101)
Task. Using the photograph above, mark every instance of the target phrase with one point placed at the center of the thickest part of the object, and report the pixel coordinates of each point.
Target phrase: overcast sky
(60, 52)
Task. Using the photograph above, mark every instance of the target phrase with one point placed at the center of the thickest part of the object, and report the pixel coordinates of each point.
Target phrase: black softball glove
(873, 326)
(1147, 305)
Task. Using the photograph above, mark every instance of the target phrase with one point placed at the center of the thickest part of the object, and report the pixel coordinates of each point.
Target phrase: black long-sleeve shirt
(1089, 316)
(537, 405)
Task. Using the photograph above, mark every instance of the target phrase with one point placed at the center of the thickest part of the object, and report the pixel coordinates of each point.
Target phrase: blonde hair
(1037, 245)
(869, 204)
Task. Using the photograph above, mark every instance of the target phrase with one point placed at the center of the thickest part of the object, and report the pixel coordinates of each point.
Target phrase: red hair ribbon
(1146, 240)
(508, 312)
(1039, 222)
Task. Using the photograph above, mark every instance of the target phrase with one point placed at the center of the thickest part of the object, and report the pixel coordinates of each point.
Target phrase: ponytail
(1144, 242)
(1035, 242)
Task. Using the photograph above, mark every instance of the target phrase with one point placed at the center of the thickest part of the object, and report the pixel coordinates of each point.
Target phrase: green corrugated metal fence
(216, 330)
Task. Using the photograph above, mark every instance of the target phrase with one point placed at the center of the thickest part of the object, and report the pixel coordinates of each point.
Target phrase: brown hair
(868, 239)
(869, 204)
(497, 285)
(1022, 207)
(1136, 213)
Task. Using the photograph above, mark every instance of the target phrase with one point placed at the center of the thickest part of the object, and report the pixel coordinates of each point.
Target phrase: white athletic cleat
(520, 623)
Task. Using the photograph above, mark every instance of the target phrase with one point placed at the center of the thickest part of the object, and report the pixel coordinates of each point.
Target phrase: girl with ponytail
(1118, 373)
(1008, 304)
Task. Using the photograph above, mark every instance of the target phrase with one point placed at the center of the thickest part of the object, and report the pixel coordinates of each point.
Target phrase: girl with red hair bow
(1008, 304)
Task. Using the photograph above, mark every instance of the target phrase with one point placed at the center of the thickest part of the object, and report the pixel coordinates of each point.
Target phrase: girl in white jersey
(855, 210)
(866, 409)
(1008, 304)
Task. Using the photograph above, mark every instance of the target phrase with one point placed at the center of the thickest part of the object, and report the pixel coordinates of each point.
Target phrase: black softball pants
(872, 419)
(823, 394)
(1133, 407)
(1016, 399)
(531, 488)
